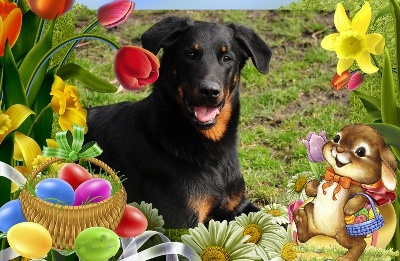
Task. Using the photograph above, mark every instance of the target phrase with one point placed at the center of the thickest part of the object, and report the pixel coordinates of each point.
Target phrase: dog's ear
(253, 46)
(163, 32)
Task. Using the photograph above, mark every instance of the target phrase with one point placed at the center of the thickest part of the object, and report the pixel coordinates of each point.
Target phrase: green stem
(40, 30)
(56, 48)
(396, 18)
(85, 31)
(38, 118)
(377, 64)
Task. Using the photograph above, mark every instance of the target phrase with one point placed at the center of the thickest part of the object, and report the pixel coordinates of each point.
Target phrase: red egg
(132, 224)
(74, 174)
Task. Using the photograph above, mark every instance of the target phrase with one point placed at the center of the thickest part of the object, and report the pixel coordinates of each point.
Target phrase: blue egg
(10, 215)
(55, 191)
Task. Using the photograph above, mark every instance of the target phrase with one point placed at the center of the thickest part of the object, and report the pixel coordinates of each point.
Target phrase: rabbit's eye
(336, 138)
(360, 152)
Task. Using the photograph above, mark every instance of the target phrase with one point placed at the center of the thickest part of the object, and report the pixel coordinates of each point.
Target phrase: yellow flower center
(289, 252)
(215, 253)
(5, 123)
(275, 212)
(300, 183)
(254, 231)
(350, 45)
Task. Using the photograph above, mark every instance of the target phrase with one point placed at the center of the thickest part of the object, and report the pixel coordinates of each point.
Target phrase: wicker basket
(65, 222)
(369, 226)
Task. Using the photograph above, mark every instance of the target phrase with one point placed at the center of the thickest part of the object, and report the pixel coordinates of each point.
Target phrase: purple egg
(91, 191)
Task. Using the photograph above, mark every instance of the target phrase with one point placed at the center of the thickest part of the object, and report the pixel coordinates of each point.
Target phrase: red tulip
(10, 24)
(135, 67)
(350, 80)
(50, 9)
(115, 13)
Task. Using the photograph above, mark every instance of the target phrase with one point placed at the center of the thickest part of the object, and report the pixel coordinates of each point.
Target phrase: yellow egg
(371, 214)
(349, 219)
(29, 239)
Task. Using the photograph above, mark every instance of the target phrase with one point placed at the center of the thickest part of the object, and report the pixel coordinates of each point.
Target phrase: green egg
(96, 244)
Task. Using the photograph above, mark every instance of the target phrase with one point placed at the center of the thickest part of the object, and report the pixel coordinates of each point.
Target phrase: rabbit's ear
(389, 166)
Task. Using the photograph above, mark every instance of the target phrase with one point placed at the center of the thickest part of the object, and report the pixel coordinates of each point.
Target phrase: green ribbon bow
(70, 146)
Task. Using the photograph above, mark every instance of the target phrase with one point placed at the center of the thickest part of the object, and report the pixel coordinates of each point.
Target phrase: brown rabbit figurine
(357, 156)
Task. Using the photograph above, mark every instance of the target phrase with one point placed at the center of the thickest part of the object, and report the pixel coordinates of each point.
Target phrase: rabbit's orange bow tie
(342, 182)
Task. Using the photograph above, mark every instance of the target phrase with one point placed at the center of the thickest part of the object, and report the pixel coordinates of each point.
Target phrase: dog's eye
(191, 55)
(226, 58)
(336, 138)
(360, 152)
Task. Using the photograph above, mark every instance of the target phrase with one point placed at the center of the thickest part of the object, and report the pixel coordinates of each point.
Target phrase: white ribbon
(8, 254)
(12, 174)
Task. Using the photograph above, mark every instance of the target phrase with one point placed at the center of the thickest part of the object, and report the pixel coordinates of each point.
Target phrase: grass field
(278, 109)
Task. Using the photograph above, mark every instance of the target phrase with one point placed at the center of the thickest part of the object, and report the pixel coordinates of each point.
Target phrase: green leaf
(27, 36)
(389, 132)
(371, 117)
(388, 95)
(32, 60)
(396, 17)
(44, 120)
(370, 103)
(6, 156)
(13, 89)
(91, 81)
(385, 10)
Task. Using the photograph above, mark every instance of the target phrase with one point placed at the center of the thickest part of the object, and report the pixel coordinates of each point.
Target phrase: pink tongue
(205, 114)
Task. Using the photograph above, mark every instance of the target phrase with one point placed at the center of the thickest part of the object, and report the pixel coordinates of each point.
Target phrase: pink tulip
(350, 80)
(314, 143)
(356, 80)
(292, 207)
(135, 67)
(115, 13)
(50, 9)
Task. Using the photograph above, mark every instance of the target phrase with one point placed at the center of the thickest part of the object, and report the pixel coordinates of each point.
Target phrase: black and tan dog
(178, 147)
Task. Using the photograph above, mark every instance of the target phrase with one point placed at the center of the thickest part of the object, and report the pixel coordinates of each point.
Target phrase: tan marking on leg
(201, 206)
(233, 201)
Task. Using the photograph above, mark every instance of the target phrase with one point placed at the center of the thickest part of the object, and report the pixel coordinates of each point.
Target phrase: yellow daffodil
(12, 119)
(351, 43)
(65, 102)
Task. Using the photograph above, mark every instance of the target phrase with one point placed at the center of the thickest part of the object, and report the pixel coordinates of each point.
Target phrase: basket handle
(95, 161)
(371, 202)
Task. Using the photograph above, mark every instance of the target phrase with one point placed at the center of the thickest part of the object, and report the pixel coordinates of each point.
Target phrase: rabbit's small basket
(65, 222)
(368, 226)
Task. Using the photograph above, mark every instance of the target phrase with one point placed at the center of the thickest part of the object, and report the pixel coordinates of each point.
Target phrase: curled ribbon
(168, 248)
(70, 146)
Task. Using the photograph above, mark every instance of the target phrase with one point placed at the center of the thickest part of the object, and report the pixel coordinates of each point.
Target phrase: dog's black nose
(209, 90)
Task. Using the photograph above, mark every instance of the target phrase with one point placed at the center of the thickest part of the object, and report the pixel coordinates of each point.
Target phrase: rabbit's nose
(339, 149)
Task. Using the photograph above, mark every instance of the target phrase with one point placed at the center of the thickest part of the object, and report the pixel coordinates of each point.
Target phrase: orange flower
(10, 23)
(50, 9)
(135, 67)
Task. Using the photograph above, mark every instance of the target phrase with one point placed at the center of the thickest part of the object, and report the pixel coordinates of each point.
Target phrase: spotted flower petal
(115, 12)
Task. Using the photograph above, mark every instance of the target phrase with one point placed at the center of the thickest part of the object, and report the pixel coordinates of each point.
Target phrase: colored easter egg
(360, 219)
(11, 214)
(29, 239)
(91, 191)
(55, 191)
(74, 174)
(132, 224)
(96, 244)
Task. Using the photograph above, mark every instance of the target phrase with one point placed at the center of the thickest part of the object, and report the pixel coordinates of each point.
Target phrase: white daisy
(264, 232)
(297, 184)
(219, 242)
(287, 250)
(155, 222)
(278, 212)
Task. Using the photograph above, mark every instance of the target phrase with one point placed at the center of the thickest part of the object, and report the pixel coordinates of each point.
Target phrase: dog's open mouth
(204, 116)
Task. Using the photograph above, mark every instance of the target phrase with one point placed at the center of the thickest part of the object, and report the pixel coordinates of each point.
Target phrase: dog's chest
(329, 213)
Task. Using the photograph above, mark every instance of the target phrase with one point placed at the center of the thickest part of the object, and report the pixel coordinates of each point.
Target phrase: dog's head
(203, 61)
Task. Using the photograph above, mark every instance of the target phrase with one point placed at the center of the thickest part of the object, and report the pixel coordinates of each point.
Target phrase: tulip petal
(29, 149)
(11, 27)
(155, 63)
(340, 81)
(115, 13)
(328, 43)
(364, 61)
(149, 80)
(50, 9)
(356, 80)
(343, 65)
(375, 43)
(362, 19)
(341, 20)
